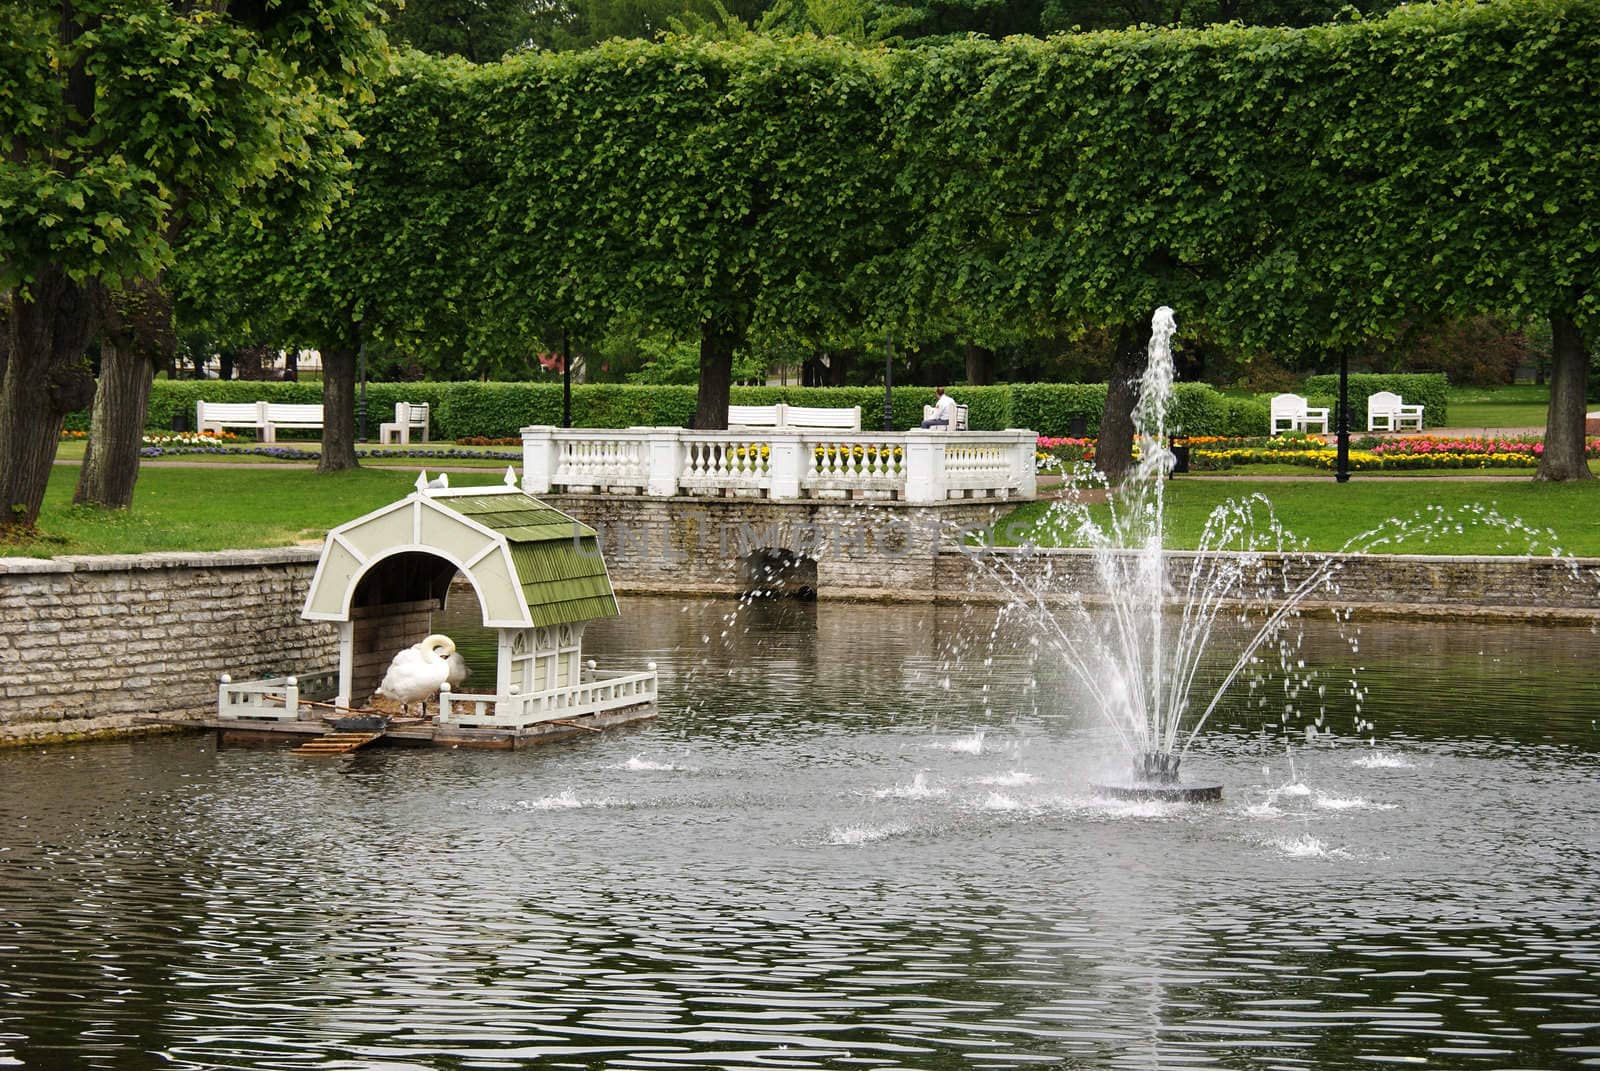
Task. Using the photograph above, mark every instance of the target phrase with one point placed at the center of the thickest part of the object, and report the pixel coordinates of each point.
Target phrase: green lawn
(1326, 514)
(1523, 405)
(414, 457)
(204, 508)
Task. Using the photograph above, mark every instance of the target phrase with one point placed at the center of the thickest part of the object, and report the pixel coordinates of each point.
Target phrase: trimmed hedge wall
(502, 410)
(1431, 389)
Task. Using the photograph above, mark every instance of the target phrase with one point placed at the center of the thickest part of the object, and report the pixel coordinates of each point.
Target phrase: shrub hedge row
(1431, 389)
(501, 410)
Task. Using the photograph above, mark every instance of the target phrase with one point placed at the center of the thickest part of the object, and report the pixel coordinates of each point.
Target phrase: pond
(858, 836)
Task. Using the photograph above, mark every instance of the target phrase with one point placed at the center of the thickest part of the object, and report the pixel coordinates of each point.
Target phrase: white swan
(458, 671)
(416, 673)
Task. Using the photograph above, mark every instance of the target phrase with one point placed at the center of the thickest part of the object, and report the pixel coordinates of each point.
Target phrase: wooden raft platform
(336, 743)
(413, 732)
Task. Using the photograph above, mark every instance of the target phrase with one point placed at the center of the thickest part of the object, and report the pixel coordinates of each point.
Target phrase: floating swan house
(539, 578)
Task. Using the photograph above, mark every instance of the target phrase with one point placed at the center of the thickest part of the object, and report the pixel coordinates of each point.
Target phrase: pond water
(856, 837)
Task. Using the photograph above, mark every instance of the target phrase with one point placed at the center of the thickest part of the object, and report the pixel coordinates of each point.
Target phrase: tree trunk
(838, 368)
(980, 365)
(338, 409)
(45, 378)
(121, 401)
(1113, 452)
(1563, 457)
(718, 338)
(136, 339)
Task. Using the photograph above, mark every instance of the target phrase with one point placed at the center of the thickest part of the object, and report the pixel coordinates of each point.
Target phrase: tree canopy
(1300, 189)
(123, 123)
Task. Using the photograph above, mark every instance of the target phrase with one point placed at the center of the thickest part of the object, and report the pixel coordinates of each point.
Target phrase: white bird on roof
(415, 674)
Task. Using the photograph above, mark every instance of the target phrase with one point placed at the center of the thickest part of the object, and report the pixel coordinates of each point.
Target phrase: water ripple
(766, 879)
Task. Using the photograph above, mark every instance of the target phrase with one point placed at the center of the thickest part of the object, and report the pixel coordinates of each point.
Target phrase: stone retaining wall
(1403, 584)
(96, 645)
(862, 550)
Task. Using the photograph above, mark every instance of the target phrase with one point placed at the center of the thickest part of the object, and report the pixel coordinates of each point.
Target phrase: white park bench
(409, 419)
(959, 424)
(1387, 411)
(782, 417)
(265, 417)
(1290, 413)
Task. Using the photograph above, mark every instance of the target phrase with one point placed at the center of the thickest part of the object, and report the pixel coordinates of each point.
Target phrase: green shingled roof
(557, 559)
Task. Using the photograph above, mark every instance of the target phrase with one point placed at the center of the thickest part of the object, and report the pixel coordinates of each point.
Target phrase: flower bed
(1369, 454)
(1053, 450)
(190, 438)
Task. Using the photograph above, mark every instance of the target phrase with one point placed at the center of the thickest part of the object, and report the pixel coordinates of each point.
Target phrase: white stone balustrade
(918, 466)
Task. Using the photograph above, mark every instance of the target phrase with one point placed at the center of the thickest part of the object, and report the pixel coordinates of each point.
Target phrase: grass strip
(1326, 515)
(203, 508)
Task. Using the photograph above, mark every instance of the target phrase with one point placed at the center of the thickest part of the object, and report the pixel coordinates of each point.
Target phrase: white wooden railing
(271, 698)
(911, 466)
(596, 692)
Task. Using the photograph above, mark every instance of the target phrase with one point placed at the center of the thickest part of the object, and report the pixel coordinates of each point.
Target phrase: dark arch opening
(779, 573)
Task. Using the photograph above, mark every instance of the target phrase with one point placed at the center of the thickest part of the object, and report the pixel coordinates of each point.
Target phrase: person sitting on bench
(944, 410)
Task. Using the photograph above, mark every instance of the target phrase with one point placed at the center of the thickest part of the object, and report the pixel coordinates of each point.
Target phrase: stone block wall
(862, 550)
(1401, 584)
(97, 645)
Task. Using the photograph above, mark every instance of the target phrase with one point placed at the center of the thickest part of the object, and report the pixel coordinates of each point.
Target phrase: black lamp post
(888, 383)
(1341, 471)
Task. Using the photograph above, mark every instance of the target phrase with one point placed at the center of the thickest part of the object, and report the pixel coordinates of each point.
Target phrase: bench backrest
(802, 416)
(755, 416)
(1385, 401)
(1288, 405)
(413, 413)
(230, 412)
(292, 413)
(794, 416)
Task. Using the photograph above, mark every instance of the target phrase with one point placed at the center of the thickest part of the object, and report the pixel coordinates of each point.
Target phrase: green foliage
(1297, 191)
(1049, 408)
(1288, 190)
(188, 108)
(497, 410)
(502, 410)
(1243, 416)
(1429, 389)
(481, 30)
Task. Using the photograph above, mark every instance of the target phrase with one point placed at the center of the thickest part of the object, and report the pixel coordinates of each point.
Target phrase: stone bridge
(840, 513)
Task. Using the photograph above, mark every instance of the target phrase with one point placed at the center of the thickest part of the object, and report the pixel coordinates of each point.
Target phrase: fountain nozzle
(1157, 768)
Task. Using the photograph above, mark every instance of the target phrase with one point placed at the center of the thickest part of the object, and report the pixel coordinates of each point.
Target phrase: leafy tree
(122, 121)
(1303, 191)
(710, 187)
(392, 265)
(477, 30)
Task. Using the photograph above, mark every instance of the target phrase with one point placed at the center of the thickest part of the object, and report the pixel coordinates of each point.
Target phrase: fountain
(1138, 652)
(1138, 662)
(1146, 696)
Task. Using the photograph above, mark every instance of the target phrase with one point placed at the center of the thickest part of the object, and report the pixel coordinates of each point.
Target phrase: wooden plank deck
(416, 732)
